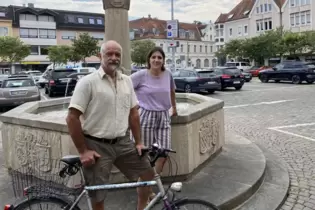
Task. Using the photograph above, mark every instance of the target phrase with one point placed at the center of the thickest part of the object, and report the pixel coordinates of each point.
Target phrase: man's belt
(103, 140)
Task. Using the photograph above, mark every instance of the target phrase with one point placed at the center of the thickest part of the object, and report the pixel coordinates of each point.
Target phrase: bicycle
(73, 165)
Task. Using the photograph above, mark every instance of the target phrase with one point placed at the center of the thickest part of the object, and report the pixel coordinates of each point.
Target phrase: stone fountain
(38, 130)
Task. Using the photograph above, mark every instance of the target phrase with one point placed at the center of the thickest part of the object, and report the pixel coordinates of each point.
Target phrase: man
(107, 102)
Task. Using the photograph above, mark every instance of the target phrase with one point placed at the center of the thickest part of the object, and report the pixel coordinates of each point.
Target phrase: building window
(99, 21)
(245, 29)
(266, 7)
(181, 48)
(2, 14)
(80, 20)
(195, 48)
(264, 24)
(68, 35)
(91, 21)
(43, 50)
(4, 31)
(206, 49)
(28, 33)
(34, 50)
(29, 17)
(46, 18)
(211, 49)
(239, 31)
(300, 18)
(270, 7)
(200, 48)
(257, 10)
(47, 34)
(231, 32)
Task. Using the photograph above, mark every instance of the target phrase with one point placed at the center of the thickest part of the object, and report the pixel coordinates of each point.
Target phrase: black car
(247, 75)
(230, 77)
(295, 71)
(58, 82)
(196, 81)
(74, 78)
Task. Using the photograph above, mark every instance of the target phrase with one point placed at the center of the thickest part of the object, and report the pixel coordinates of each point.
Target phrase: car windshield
(205, 74)
(18, 83)
(311, 66)
(62, 73)
(36, 73)
(232, 71)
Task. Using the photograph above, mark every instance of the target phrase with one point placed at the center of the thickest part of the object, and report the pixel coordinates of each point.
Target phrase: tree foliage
(12, 49)
(273, 43)
(59, 54)
(139, 51)
(85, 46)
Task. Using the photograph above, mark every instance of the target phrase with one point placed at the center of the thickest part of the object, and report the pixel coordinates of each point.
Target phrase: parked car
(295, 71)
(74, 78)
(35, 74)
(254, 70)
(18, 89)
(196, 81)
(58, 81)
(247, 75)
(230, 77)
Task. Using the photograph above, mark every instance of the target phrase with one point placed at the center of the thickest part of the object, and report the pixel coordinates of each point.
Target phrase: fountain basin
(31, 131)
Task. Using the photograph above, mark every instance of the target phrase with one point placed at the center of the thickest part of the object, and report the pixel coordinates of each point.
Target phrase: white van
(85, 69)
(240, 65)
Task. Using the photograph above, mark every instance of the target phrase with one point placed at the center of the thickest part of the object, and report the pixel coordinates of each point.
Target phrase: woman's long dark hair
(155, 49)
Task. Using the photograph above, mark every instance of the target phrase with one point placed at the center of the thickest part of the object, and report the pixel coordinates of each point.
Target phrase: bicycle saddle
(71, 159)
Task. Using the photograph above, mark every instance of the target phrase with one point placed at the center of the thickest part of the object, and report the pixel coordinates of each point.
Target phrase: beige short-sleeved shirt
(105, 108)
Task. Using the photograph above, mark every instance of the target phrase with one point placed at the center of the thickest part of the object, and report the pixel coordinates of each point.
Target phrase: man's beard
(113, 66)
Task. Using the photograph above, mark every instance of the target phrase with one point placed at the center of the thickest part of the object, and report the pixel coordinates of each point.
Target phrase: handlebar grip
(63, 171)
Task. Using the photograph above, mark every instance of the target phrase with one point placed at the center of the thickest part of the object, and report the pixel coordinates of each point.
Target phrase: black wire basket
(41, 178)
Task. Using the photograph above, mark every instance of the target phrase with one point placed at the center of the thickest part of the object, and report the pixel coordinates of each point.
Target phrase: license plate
(63, 80)
(211, 82)
(18, 93)
(237, 82)
(18, 102)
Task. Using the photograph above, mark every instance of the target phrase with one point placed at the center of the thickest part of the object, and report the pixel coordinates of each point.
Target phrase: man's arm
(134, 123)
(75, 129)
(78, 104)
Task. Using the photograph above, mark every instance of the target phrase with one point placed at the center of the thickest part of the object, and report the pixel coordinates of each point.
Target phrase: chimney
(149, 16)
(31, 5)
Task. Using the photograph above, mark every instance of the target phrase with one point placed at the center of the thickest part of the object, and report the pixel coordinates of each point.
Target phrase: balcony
(36, 41)
(37, 24)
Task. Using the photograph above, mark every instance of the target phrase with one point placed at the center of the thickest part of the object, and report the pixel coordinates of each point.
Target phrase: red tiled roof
(151, 24)
(242, 10)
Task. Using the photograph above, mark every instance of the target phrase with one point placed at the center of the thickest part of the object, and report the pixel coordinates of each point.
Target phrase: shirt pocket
(124, 101)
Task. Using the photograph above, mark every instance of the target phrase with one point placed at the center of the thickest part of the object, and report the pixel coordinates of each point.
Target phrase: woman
(155, 90)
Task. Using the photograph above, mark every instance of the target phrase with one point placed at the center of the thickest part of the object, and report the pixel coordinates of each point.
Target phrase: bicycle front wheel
(191, 204)
(46, 203)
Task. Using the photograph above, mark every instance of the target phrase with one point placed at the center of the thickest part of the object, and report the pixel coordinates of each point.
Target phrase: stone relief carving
(208, 135)
(33, 145)
(123, 4)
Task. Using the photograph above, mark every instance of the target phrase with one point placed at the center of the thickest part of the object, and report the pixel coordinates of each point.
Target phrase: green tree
(139, 51)
(12, 50)
(85, 46)
(309, 38)
(59, 54)
(294, 43)
(73, 56)
(234, 48)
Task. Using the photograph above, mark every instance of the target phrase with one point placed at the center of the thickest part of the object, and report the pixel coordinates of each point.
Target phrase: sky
(184, 10)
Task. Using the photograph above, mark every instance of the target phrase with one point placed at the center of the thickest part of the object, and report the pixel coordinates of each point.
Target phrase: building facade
(195, 48)
(252, 17)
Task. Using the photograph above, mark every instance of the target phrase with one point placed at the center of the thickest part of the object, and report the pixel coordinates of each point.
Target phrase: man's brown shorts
(122, 154)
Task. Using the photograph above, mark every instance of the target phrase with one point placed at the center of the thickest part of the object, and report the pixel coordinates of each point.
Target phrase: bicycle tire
(44, 200)
(182, 202)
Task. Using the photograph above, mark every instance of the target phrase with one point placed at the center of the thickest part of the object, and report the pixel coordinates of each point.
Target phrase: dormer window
(230, 16)
(246, 12)
(2, 14)
(80, 20)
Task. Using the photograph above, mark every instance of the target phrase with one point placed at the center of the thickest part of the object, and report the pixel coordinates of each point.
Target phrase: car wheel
(277, 81)
(210, 91)
(309, 81)
(238, 88)
(296, 79)
(42, 85)
(264, 78)
(46, 90)
(187, 88)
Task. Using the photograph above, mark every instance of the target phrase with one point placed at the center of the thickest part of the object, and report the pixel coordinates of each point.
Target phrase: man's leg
(98, 174)
(133, 167)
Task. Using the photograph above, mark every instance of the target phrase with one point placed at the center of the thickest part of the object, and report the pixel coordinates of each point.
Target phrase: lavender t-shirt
(153, 92)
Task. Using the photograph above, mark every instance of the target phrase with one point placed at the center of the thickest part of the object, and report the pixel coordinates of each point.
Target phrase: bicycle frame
(157, 182)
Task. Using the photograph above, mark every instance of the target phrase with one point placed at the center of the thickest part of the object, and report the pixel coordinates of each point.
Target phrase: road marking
(44, 97)
(293, 126)
(292, 134)
(257, 104)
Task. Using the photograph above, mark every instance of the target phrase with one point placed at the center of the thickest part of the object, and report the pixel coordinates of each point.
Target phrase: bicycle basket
(41, 177)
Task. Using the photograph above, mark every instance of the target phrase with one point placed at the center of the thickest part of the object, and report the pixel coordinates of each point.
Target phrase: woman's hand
(174, 111)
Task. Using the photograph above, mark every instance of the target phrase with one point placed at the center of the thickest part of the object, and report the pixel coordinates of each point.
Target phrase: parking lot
(279, 117)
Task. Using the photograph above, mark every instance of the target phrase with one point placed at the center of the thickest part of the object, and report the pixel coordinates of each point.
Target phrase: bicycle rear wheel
(190, 203)
(46, 203)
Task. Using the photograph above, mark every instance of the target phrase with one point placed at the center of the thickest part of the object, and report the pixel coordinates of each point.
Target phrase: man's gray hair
(103, 47)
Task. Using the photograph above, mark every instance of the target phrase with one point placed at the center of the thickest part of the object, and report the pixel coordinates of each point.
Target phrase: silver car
(16, 90)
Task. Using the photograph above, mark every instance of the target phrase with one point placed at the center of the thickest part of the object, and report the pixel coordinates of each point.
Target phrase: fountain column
(117, 27)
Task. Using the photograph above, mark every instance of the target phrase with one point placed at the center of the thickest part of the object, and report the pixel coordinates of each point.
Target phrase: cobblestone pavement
(279, 117)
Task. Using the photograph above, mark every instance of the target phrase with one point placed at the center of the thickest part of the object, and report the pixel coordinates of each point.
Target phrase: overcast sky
(185, 10)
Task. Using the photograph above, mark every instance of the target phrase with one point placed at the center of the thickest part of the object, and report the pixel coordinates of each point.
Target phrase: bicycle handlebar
(156, 152)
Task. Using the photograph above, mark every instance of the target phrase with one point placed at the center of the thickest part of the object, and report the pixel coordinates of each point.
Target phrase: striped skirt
(155, 128)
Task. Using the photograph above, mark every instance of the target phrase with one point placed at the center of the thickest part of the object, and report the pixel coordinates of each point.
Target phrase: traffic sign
(172, 28)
